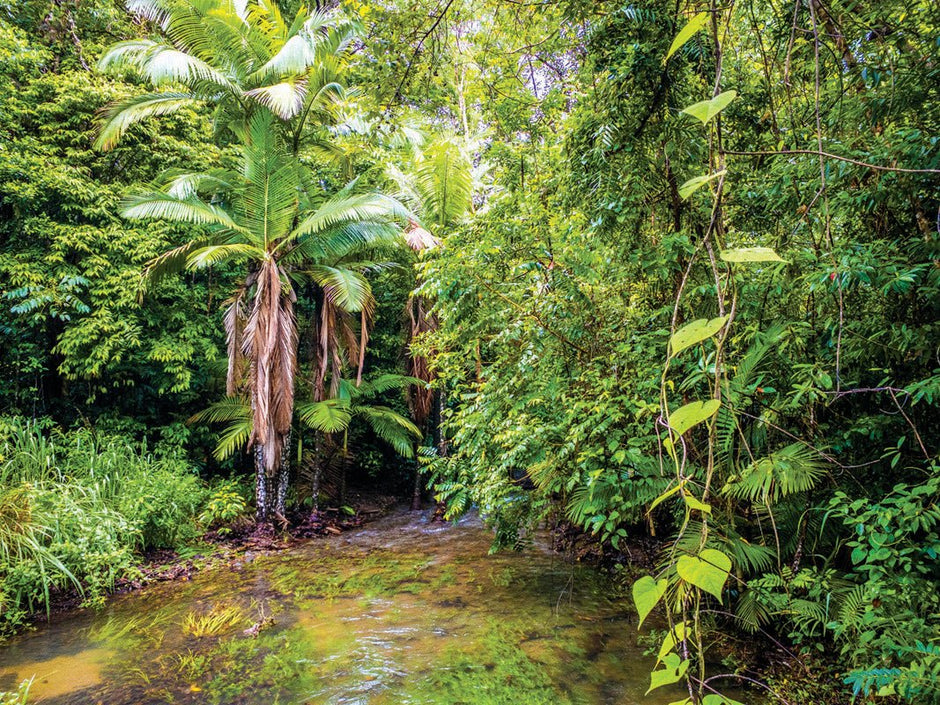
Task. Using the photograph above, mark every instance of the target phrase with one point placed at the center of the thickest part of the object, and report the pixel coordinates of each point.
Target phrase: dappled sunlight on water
(402, 611)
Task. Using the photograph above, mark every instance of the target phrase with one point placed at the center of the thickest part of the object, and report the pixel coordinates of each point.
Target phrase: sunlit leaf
(718, 699)
(707, 109)
(674, 669)
(674, 637)
(685, 417)
(695, 332)
(695, 183)
(647, 592)
(707, 571)
(694, 502)
(751, 254)
(663, 497)
(686, 33)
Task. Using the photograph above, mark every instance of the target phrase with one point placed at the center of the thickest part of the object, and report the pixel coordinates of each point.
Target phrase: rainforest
(470, 351)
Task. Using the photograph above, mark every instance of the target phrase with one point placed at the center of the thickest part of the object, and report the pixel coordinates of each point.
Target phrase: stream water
(401, 611)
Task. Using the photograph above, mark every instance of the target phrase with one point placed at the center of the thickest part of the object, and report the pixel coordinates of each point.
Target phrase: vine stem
(829, 155)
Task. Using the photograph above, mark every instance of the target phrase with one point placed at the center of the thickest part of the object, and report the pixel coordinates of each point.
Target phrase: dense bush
(74, 509)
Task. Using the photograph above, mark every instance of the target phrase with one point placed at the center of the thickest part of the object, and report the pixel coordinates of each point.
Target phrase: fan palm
(238, 56)
(263, 217)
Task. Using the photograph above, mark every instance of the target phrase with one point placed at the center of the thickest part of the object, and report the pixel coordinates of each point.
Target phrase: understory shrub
(74, 508)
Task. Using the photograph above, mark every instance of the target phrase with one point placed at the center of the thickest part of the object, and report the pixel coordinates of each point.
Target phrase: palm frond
(284, 99)
(121, 116)
(172, 261)
(185, 184)
(345, 288)
(234, 411)
(342, 241)
(213, 254)
(386, 383)
(162, 64)
(271, 345)
(268, 203)
(347, 209)
(235, 321)
(392, 427)
(791, 469)
(329, 415)
(444, 180)
(159, 205)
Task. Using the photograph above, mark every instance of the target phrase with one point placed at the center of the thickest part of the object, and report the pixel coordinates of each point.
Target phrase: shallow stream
(401, 611)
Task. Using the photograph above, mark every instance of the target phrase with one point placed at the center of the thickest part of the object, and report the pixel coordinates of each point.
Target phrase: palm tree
(263, 216)
(238, 56)
(438, 187)
(358, 400)
(330, 416)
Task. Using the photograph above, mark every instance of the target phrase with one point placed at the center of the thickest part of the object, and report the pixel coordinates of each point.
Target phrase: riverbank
(217, 549)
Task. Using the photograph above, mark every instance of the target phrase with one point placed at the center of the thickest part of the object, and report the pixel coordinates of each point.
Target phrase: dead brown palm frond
(419, 239)
(235, 320)
(271, 344)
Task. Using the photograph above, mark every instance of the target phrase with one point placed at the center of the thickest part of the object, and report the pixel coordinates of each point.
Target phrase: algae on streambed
(403, 611)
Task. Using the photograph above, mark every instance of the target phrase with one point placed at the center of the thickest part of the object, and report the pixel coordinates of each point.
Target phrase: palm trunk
(283, 480)
(416, 493)
(262, 487)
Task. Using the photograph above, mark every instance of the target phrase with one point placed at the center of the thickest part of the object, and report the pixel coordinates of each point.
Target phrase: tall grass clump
(75, 509)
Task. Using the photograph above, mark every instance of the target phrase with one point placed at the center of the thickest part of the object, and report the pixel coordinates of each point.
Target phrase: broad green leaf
(751, 254)
(674, 669)
(695, 183)
(695, 332)
(708, 571)
(694, 503)
(686, 33)
(716, 699)
(707, 109)
(646, 594)
(672, 638)
(685, 417)
(663, 497)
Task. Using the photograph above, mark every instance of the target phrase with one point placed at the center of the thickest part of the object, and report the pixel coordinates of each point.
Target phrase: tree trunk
(283, 480)
(416, 493)
(262, 487)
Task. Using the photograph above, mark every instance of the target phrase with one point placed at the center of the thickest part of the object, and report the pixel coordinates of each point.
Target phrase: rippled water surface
(401, 611)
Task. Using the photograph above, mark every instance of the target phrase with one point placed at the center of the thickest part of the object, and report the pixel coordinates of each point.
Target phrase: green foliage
(224, 505)
(18, 697)
(792, 301)
(75, 509)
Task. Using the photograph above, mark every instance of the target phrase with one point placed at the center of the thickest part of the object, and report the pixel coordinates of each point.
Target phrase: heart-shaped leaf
(695, 332)
(695, 183)
(672, 638)
(717, 699)
(707, 109)
(751, 254)
(646, 595)
(685, 34)
(692, 502)
(685, 417)
(674, 669)
(707, 571)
